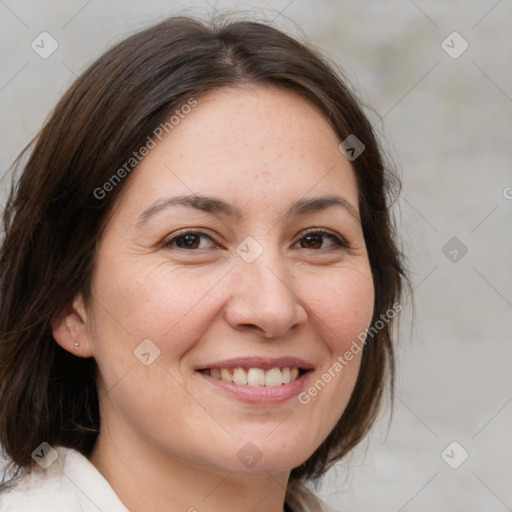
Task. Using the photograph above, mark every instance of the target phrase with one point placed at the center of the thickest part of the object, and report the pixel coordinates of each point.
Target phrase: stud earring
(76, 344)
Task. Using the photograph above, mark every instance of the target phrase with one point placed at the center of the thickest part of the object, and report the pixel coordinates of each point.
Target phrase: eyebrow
(214, 205)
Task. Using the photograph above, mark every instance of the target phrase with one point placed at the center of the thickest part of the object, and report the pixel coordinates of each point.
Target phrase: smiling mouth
(256, 377)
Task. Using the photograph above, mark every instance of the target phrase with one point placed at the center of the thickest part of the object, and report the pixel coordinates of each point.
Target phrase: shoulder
(39, 490)
(70, 483)
(302, 499)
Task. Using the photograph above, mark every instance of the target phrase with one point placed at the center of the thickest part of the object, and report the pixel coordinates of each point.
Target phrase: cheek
(341, 311)
(151, 300)
(161, 303)
(344, 308)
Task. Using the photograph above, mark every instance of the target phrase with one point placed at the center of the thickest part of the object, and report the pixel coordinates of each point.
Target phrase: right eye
(187, 240)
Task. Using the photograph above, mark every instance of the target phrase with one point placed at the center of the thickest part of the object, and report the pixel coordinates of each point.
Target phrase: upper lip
(265, 363)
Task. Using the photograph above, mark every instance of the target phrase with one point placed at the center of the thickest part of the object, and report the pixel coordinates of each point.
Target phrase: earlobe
(70, 328)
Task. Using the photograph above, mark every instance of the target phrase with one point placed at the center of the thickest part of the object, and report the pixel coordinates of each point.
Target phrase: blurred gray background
(445, 100)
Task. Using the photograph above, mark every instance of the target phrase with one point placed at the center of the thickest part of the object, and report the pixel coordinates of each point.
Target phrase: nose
(264, 298)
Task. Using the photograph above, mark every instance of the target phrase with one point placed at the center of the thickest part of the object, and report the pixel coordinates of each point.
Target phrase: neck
(145, 478)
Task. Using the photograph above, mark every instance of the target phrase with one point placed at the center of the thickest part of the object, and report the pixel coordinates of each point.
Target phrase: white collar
(71, 483)
(92, 489)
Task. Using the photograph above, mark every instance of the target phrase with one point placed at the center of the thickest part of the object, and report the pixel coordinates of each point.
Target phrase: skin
(168, 440)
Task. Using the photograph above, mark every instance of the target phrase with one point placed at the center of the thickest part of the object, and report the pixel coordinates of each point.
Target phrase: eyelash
(340, 242)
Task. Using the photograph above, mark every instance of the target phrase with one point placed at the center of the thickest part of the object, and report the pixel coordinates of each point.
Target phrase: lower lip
(260, 394)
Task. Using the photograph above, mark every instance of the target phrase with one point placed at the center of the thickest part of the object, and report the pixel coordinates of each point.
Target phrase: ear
(70, 327)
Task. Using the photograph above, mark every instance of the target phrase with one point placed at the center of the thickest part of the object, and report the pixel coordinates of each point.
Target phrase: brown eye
(315, 239)
(189, 240)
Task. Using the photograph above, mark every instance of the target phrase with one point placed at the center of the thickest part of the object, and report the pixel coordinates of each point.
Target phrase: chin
(266, 454)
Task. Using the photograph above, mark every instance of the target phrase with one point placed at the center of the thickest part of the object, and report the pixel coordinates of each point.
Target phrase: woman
(198, 280)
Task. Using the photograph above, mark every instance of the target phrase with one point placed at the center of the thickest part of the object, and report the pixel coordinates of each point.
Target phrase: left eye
(310, 240)
(315, 237)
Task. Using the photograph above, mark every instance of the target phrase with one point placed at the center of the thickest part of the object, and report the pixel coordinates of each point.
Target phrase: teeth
(273, 377)
(215, 372)
(240, 376)
(255, 376)
(225, 374)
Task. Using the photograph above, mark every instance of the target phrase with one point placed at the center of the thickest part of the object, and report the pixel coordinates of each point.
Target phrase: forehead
(259, 119)
(255, 144)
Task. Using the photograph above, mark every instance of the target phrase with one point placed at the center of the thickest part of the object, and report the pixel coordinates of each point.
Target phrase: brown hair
(53, 218)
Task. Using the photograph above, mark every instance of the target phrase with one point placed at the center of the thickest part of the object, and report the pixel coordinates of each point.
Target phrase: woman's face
(169, 305)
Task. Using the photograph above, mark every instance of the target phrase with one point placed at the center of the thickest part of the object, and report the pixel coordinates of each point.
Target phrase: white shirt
(70, 484)
(73, 484)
